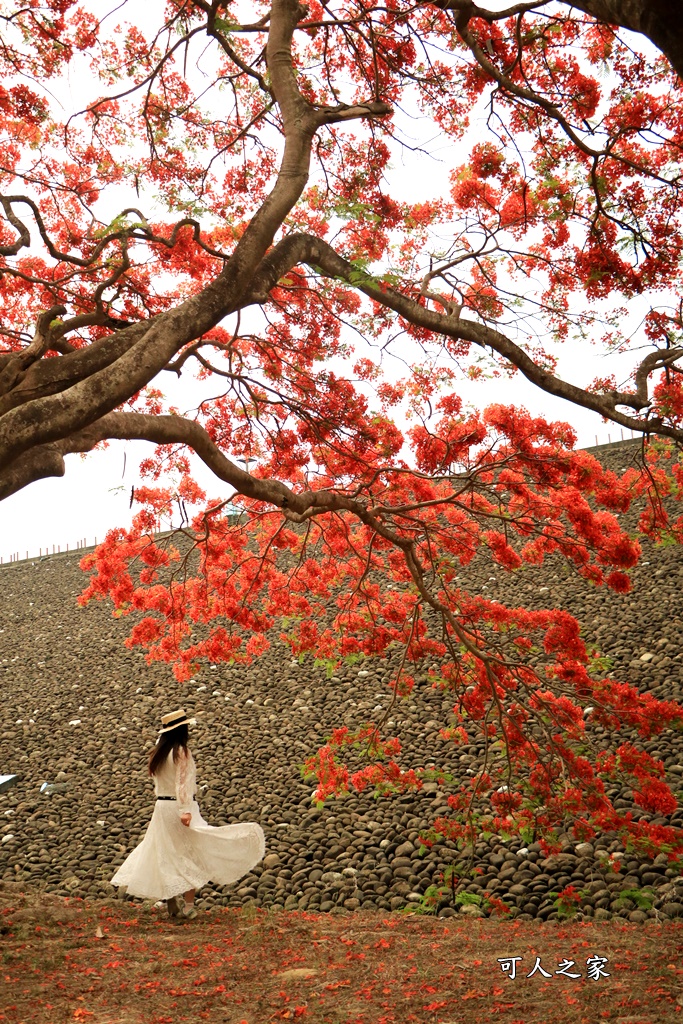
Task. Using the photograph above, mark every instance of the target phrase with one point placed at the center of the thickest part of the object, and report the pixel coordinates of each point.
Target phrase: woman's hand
(186, 818)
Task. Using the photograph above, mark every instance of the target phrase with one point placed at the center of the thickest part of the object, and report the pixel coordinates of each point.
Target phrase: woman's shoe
(175, 906)
(189, 912)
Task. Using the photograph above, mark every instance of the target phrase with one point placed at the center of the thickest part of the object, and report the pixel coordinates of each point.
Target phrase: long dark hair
(169, 741)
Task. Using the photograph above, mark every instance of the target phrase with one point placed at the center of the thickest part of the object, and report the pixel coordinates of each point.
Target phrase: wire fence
(609, 443)
(80, 545)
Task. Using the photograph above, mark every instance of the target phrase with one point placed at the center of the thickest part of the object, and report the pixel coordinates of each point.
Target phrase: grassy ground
(115, 963)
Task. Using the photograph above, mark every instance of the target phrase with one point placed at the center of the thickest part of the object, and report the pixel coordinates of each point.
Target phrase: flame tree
(217, 207)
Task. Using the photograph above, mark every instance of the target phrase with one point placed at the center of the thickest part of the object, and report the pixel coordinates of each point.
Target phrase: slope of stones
(78, 707)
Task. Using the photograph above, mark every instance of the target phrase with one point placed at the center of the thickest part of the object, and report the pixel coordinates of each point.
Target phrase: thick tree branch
(53, 417)
(301, 248)
(298, 126)
(48, 460)
(300, 121)
(344, 112)
(38, 464)
(51, 376)
(48, 402)
(471, 10)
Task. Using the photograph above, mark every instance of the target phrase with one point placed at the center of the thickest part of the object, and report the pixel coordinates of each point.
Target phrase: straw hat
(174, 719)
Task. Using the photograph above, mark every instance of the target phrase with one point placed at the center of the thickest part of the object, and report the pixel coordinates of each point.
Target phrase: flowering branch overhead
(262, 246)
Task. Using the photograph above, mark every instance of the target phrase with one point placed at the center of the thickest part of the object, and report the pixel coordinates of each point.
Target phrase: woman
(180, 852)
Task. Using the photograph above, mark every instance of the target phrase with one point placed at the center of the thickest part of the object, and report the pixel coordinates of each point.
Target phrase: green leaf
(527, 833)
(329, 664)
(353, 659)
(225, 25)
(643, 898)
(468, 899)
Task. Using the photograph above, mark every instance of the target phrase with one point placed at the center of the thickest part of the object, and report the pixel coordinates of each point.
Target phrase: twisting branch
(41, 343)
(301, 248)
(658, 360)
(140, 230)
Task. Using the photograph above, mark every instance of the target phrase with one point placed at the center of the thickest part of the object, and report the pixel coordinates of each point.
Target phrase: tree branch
(40, 344)
(345, 112)
(301, 248)
(146, 351)
(38, 464)
(48, 460)
(300, 122)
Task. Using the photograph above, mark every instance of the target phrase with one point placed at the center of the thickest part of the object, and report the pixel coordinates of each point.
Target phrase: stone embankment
(79, 708)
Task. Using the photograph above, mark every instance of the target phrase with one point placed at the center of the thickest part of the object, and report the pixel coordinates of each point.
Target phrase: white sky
(94, 495)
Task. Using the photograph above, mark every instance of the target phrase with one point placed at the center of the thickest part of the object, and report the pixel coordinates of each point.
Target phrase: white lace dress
(172, 858)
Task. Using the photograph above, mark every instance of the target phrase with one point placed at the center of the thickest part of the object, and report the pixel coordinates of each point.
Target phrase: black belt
(172, 797)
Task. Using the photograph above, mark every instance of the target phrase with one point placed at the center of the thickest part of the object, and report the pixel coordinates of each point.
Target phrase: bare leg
(189, 897)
